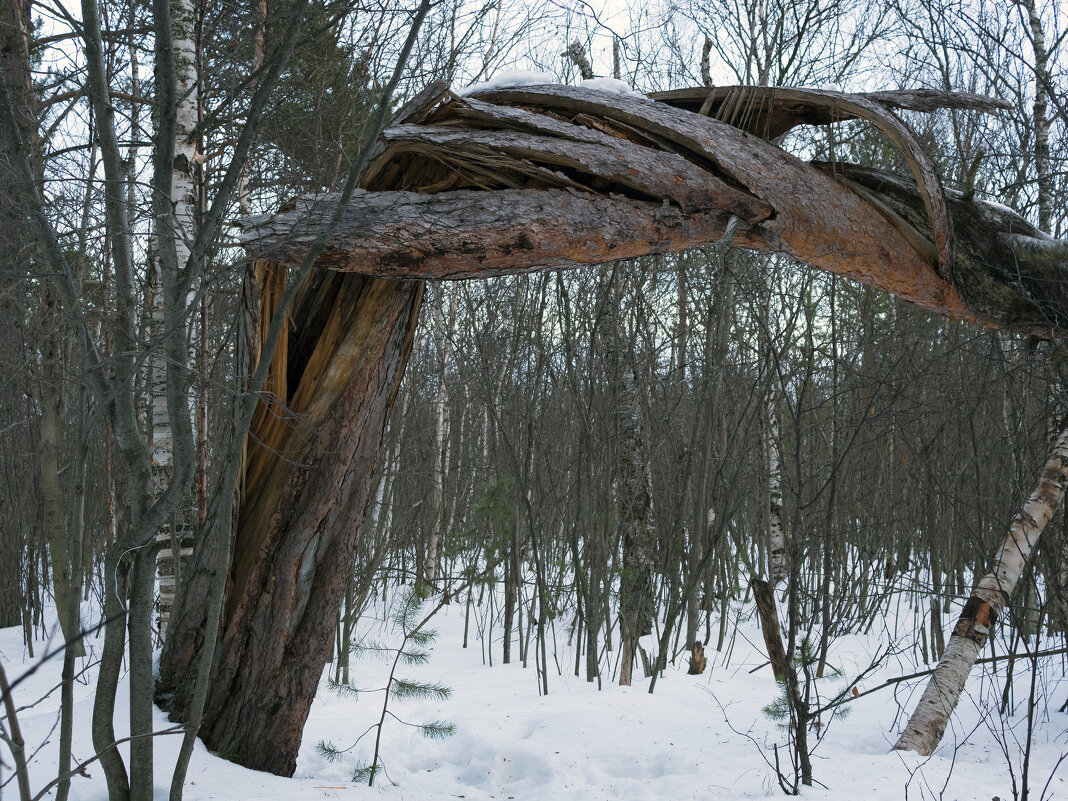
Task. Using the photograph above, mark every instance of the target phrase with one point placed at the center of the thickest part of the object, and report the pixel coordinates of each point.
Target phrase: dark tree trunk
(18, 502)
(307, 482)
(509, 597)
(636, 527)
(764, 597)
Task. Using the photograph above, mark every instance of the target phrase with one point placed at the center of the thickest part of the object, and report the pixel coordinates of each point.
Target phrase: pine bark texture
(547, 177)
(311, 455)
(990, 596)
(512, 181)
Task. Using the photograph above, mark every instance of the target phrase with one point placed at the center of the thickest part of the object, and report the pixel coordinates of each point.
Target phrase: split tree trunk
(928, 723)
(313, 449)
(488, 185)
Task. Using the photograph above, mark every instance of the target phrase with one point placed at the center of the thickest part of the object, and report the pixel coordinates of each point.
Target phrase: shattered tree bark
(312, 450)
(516, 180)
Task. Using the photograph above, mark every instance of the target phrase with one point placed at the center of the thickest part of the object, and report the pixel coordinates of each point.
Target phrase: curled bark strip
(619, 159)
(792, 107)
(769, 112)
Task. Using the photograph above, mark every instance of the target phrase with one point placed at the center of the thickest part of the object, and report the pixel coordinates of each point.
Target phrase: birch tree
(989, 598)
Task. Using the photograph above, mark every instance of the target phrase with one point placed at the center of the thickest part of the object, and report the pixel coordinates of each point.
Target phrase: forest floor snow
(697, 737)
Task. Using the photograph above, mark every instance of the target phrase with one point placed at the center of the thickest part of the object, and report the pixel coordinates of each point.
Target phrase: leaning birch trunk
(928, 722)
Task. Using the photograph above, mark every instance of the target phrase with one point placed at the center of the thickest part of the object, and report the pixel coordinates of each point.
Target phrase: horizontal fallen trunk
(553, 177)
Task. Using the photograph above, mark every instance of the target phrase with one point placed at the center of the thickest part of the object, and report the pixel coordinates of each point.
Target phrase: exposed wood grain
(789, 108)
(521, 179)
(675, 123)
(614, 164)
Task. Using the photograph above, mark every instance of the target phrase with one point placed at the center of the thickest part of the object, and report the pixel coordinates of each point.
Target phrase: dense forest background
(690, 406)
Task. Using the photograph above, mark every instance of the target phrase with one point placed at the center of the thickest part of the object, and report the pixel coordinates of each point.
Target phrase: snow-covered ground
(702, 737)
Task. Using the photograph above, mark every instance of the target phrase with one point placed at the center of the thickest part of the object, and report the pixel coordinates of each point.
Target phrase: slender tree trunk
(72, 612)
(140, 655)
(52, 501)
(636, 529)
(443, 339)
(777, 566)
(511, 594)
(832, 491)
(990, 596)
(1041, 122)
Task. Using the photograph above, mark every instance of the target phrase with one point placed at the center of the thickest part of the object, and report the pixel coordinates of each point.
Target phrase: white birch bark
(928, 723)
(183, 197)
(183, 189)
(444, 339)
(777, 567)
(162, 447)
(184, 201)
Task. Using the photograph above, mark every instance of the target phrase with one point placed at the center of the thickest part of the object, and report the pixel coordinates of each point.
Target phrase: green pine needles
(805, 657)
(408, 617)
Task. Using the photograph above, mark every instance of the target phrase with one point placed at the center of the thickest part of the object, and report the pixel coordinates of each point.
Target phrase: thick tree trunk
(16, 260)
(312, 452)
(507, 189)
(928, 723)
